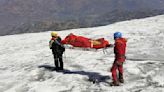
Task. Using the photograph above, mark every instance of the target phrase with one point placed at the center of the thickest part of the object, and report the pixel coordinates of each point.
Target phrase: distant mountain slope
(67, 14)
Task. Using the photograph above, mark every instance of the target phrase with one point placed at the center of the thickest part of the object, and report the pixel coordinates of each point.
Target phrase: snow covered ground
(26, 61)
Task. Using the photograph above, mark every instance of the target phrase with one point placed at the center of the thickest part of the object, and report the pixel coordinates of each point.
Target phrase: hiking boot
(114, 83)
(57, 69)
(61, 68)
(121, 80)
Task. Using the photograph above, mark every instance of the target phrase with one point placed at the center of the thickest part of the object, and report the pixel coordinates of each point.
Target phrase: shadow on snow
(48, 67)
(92, 76)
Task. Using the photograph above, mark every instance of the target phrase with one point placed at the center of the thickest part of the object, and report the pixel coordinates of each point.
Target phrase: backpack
(62, 48)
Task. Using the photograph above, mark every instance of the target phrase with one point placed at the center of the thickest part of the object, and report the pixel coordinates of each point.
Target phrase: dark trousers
(58, 61)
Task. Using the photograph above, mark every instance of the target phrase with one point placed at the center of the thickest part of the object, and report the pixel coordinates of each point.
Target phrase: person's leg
(56, 62)
(120, 69)
(114, 75)
(61, 62)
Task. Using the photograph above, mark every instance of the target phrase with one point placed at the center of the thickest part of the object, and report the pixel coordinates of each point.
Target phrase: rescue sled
(84, 42)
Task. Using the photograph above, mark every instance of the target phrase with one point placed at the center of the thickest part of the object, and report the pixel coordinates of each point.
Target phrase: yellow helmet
(55, 34)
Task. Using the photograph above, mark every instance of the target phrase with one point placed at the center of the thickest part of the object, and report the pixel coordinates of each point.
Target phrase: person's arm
(118, 48)
(117, 51)
(58, 42)
(50, 43)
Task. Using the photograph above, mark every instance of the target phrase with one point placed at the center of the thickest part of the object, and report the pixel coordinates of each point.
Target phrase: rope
(105, 51)
(64, 56)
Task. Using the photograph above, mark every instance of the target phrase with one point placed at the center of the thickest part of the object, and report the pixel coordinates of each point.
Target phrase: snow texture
(26, 62)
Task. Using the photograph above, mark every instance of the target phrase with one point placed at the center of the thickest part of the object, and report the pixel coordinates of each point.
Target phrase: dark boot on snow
(121, 80)
(114, 83)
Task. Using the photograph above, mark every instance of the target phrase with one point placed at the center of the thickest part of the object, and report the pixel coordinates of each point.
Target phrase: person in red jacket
(119, 51)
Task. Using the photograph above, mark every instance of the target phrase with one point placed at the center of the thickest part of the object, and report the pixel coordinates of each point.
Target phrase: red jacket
(120, 49)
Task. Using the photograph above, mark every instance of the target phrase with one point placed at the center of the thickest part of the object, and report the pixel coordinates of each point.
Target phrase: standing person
(57, 50)
(119, 51)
